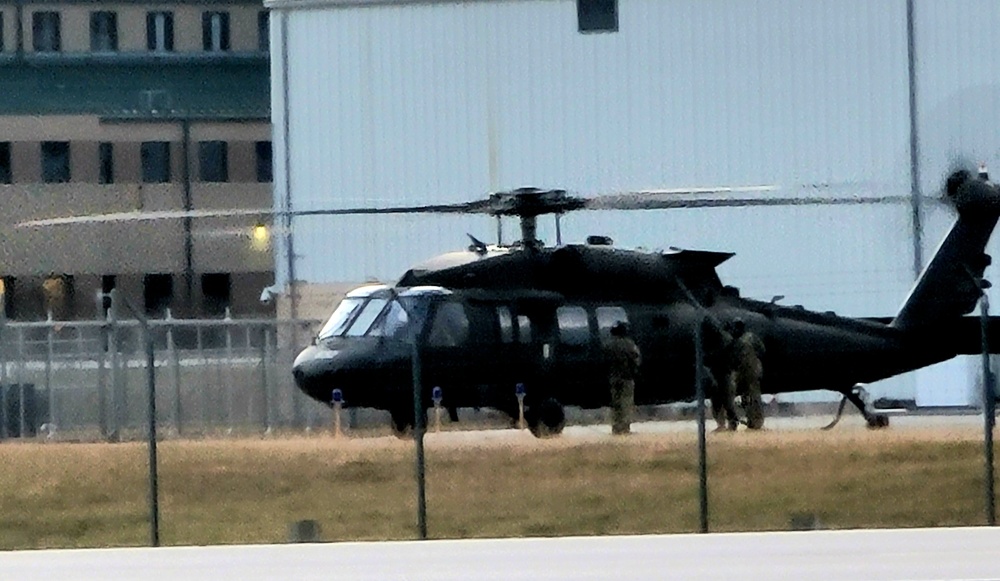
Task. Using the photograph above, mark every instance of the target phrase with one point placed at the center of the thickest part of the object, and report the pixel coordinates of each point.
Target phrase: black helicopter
(492, 321)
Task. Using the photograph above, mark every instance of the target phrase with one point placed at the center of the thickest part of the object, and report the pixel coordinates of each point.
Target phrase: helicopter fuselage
(477, 350)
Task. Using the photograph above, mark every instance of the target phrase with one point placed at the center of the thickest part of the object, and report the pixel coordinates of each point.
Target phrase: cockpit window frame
(393, 299)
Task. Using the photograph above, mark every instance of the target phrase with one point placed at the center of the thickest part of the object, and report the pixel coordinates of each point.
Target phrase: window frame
(146, 150)
(264, 31)
(591, 16)
(265, 162)
(152, 37)
(39, 20)
(48, 156)
(157, 298)
(208, 36)
(105, 162)
(6, 169)
(213, 161)
(112, 30)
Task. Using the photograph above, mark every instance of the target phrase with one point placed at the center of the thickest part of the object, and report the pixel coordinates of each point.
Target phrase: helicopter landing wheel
(877, 421)
(402, 423)
(547, 419)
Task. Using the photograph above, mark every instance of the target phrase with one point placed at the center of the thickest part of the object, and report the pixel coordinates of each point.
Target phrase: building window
(265, 167)
(7, 296)
(264, 31)
(597, 15)
(106, 163)
(55, 162)
(57, 293)
(215, 31)
(212, 163)
(103, 31)
(155, 162)
(5, 173)
(1, 31)
(45, 32)
(157, 293)
(108, 283)
(160, 31)
(216, 292)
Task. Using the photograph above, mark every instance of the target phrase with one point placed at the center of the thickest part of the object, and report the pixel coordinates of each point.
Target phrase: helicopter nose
(313, 370)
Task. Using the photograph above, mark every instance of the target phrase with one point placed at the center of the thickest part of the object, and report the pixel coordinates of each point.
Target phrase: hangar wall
(405, 102)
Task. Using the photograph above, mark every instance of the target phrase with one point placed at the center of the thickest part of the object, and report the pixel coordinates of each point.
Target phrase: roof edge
(312, 4)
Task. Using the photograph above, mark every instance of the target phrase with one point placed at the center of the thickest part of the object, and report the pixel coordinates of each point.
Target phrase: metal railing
(87, 379)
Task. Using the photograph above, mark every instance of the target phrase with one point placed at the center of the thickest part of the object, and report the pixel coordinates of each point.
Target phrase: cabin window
(573, 329)
(506, 325)
(523, 329)
(607, 317)
(450, 327)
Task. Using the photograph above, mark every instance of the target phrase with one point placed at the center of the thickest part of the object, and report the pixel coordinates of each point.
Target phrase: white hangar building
(398, 102)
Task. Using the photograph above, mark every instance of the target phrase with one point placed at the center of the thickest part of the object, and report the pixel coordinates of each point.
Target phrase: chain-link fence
(88, 379)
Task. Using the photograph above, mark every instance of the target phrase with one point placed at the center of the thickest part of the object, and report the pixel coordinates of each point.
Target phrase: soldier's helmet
(738, 326)
(619, 329)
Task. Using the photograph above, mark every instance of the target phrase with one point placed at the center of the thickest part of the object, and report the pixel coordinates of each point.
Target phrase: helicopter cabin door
(453, 351)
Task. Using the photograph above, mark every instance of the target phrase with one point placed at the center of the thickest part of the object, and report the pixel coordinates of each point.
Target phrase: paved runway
(960, 554)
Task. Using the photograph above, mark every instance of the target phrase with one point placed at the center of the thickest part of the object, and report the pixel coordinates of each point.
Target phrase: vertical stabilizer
(949, 285)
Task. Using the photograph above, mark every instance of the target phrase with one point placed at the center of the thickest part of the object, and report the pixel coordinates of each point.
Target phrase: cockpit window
(377, 311)
(341, 317)
(363, 321)
(391, 323)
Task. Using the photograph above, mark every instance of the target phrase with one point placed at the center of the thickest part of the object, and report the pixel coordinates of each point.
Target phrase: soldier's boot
(754, 407)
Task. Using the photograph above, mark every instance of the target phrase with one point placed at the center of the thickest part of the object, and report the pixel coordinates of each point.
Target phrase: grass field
(243, 491)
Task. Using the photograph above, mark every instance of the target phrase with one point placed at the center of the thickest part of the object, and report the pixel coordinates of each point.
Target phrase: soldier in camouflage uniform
(746, 371)
(623, 359)
(716, 342)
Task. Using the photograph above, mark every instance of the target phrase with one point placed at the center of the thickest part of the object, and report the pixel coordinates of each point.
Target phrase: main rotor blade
(647, 202)
(482, 206)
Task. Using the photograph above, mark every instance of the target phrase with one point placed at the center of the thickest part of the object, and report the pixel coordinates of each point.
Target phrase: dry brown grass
(71, 495)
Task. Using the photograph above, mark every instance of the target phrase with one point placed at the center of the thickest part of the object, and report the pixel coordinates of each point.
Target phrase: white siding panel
(443, 102)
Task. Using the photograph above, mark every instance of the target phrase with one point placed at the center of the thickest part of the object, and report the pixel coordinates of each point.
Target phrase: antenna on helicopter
(478, 246)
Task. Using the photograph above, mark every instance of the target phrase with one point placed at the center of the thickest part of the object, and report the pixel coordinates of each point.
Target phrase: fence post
(114, 374)
(265, 354)
(229, 376)
(175, 364)
(247, 343)
(102, 351)
(49, 392)
(4, 420)
(20, 378)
